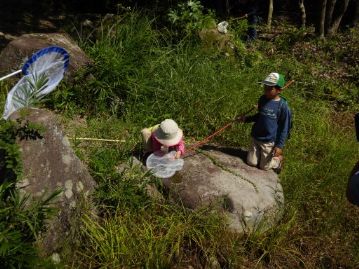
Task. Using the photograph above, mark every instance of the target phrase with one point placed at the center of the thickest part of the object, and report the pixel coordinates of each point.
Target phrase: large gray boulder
(251, 198)
(50, 164)
(14, 55)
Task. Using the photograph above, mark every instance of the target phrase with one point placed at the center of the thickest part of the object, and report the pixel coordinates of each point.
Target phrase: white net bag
(164, 165)
(43, 72)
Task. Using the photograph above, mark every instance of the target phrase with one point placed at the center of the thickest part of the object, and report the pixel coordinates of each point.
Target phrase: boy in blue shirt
(271, 126)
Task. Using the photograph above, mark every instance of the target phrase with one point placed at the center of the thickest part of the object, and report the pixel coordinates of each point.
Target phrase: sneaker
(279, 168)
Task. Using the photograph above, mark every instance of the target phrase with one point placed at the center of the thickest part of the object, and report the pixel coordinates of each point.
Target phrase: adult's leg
(252, 22)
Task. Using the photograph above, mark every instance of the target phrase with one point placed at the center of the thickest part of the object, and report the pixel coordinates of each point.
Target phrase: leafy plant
(190, 17)
(31, 92)
(21, 220)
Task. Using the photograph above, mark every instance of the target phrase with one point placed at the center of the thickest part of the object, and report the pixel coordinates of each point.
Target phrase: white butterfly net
(164, 165)
(44, 71)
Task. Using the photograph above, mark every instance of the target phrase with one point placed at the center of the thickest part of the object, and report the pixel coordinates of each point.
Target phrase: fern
(30, 93)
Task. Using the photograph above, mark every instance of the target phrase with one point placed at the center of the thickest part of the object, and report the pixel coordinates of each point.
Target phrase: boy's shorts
(261, 153)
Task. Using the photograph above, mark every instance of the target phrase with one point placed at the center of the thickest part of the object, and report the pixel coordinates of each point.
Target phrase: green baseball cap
(274, 79)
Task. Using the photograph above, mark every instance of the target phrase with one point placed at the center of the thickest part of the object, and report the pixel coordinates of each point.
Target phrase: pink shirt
(156, 145)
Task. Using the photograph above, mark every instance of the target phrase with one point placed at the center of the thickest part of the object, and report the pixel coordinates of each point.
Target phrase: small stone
(68, 185)
(23, 183)
(68, 193)
(66, 159)
(87, 22)
(79, 186)
(55, 258)
(213, 263)
(247, 214)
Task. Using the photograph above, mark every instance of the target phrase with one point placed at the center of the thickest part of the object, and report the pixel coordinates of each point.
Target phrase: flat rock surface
(251, 198)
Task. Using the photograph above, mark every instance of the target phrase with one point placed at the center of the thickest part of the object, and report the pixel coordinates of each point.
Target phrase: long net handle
(205, 140)
(97, 139)
(10, 75)
(288, 84)
(200, 143)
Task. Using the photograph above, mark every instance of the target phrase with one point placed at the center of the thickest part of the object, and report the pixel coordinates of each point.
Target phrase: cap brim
(171, 142)
(268, 83)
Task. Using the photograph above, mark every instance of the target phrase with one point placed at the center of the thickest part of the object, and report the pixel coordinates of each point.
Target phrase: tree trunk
(329, 14)
(322, 19)
(270, 14)
(302, 10)
(335, 25)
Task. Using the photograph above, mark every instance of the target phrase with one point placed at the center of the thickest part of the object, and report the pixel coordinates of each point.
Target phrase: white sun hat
(168, 133)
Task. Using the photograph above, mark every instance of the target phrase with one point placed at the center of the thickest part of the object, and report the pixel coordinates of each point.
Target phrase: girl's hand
(178, 155)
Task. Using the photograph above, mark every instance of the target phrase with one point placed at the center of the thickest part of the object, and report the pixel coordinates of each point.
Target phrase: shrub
(189, 17)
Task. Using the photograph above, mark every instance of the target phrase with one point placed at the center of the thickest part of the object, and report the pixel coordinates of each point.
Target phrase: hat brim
(268, 83)
(169, 142)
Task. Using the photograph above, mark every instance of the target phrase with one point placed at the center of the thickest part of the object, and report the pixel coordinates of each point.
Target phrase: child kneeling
(166, 136)
(271, 126)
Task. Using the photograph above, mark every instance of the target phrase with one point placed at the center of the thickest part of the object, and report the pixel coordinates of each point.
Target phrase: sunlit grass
(141, 80)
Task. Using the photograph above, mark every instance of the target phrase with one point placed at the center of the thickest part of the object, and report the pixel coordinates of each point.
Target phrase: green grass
(172, 236)
(141, 80)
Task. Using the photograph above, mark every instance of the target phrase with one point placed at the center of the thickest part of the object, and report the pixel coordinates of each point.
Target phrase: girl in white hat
(166, 136)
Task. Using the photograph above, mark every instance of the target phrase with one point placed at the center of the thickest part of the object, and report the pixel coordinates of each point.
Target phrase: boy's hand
(355, 169)
(178, 155)
(241, 119)
(277, 152)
